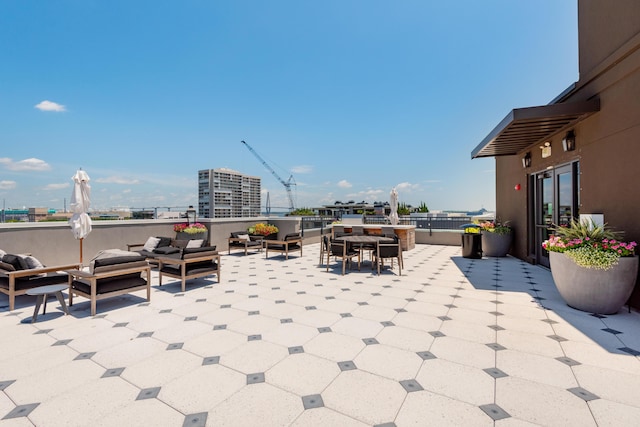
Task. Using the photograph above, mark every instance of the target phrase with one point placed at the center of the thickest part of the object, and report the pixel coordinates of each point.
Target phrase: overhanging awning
(523, 127)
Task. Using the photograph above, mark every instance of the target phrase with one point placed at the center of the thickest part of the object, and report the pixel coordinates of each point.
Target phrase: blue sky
(352, 97)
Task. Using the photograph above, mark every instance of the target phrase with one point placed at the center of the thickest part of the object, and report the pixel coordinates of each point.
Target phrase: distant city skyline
(352, 98)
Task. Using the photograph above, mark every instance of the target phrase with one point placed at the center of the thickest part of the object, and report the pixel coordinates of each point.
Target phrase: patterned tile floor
(452, 341)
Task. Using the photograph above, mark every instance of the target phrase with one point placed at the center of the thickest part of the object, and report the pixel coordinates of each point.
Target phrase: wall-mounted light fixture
(569, 141)
(526, 160)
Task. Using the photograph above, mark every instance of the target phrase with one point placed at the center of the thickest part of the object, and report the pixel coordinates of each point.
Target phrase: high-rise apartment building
(225, 193)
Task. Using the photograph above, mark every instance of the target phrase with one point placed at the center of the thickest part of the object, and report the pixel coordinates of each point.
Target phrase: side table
(42, 293)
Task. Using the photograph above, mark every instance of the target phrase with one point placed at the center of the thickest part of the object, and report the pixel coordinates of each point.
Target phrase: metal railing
(435, 223)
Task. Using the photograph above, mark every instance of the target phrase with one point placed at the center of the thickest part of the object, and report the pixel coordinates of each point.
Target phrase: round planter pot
(592, 290)
(494, 244)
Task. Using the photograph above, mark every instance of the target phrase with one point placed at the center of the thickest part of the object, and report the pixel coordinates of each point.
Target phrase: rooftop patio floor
(453, 341)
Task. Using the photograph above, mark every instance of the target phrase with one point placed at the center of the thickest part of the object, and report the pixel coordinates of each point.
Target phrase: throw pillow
(33, 262)
(16, 261)
(2, 253)
(243, 236)
(195, 243)
(151, 244)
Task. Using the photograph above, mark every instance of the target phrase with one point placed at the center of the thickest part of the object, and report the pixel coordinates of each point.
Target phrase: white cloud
(407, 186)
(50, 106)
(31, 164)
(302, 169)
(57, 186)
(7, 185)
(117, 180)
(344, 184)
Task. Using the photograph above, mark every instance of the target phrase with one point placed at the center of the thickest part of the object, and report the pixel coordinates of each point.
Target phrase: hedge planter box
(189, 236)
(496, 245)
(592, 290)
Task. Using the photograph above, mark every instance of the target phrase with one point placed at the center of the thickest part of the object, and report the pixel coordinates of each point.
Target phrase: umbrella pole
(81, 252)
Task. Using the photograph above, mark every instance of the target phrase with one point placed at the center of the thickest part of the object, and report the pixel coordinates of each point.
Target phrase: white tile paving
(452, 341)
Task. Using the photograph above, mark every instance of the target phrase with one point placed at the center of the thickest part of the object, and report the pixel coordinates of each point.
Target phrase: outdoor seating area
(452, 341)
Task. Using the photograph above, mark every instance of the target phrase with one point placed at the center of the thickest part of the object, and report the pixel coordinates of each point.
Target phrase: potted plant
(593, 270)
(190, 231)
(268, 231)
(496, 238)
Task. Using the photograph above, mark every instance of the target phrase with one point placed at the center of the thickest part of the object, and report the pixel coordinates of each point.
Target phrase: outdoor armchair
(191, 263)
(109, 277)
(242, 240)
(389, 250)
(343, 250)
(292, 242)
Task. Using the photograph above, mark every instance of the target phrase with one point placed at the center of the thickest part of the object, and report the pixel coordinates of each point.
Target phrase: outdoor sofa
(189, 263)
(292, 242)
(242, 240)
(156, 247)
(19, 273)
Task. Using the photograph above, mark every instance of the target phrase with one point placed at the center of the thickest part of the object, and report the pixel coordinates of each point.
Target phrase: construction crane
(287, 184)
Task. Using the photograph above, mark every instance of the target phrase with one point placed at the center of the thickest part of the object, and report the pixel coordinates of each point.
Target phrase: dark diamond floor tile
(168, 310)
(175, 346)
(496, 327)
(5, 384)
(312, 401)
(310, 307)
(387, 323)
(426, 355)
(363, 303)
(444, 318)
(211, 360)
(190, 318)
(411, 385)
(225, 306)
(120, 325)
(346, 315)
(557, 338)
(324, 329)
(583, 394)
(495, 372)
(495, 412)
(178, 295)
(254, 313)
(61, 342)
(568, 361)
(148, 393)
(219, 327)
(598, 316)
(400, 310)
(629, 350)
(195, 420)
(286, 320)
(201, 300)
(436, 334)
(296, 350)
(280, 301)
(329, 298)
(144, 334)
(451, 306)
(21, 411)
(496, 346)
(549, 321)
(85, 356)
(347, 365)
(115, 372)
(612, 331)
(370, 341)
(257, 337)
(43, 331)
(385, 425)
(496, 313)
(255, 378)
(100, 316)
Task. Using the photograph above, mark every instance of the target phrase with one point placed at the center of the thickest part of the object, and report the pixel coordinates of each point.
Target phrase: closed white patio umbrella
(80, 221)
(393, 202)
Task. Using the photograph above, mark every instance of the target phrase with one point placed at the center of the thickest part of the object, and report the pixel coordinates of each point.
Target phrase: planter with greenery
(496, 238)
(268, 231)
(593, 270)
(189, 232)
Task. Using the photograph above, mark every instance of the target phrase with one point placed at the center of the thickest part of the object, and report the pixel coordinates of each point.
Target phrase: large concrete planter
(187, 236)
(494, 244)
(595, 291)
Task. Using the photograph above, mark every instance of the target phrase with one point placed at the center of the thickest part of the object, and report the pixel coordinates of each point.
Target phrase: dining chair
(390, 250)
(341, 249)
